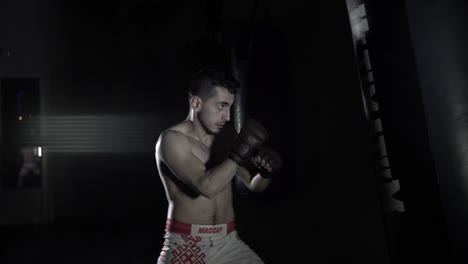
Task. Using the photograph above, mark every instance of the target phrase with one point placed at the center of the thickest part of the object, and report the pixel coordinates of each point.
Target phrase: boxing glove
(272, 159)
(251, 137)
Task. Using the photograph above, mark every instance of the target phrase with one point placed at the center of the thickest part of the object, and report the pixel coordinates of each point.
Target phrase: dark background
(111, 77)
(125, 64)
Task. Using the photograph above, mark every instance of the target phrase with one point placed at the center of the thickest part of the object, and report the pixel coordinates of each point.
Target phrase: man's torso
(185, 205)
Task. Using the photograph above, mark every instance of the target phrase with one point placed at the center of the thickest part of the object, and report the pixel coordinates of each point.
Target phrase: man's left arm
(255, 183)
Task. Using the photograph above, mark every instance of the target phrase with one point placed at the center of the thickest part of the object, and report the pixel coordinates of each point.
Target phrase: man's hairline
(215, 92)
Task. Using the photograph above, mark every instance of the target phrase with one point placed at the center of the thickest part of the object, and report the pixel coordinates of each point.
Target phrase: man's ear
(196, 103)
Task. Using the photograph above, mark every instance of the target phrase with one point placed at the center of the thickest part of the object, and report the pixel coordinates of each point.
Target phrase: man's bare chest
(200, 150)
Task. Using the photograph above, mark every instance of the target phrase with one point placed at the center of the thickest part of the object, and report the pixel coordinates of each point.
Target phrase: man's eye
(221, 107)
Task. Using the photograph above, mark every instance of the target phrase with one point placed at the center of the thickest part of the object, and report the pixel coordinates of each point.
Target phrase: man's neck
(197, 131)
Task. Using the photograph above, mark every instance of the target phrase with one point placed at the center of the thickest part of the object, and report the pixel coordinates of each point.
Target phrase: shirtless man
(200, 225)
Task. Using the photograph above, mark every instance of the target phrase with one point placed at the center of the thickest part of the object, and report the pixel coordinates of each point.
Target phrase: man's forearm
(255, 183)
(218, 177)
(258, 183)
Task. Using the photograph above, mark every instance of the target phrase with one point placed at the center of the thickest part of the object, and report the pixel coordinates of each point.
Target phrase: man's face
(216, 111)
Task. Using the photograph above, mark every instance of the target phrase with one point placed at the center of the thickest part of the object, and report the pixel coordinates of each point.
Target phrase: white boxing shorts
(204, 244)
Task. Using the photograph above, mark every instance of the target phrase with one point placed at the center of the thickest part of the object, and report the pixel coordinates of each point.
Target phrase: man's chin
(215, 131)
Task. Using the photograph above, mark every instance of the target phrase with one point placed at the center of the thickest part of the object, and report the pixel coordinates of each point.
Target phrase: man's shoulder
(176, 134)
(172, 135)
(177, 130)
(172, 143)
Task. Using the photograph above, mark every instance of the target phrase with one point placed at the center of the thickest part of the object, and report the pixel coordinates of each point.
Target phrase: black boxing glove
(251, 137)
(272, 160)
(221, 145)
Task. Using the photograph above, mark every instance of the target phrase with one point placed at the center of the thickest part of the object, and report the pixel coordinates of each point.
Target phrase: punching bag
(439, 39)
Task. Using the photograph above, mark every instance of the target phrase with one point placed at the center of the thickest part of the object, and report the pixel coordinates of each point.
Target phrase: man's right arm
(174, 149)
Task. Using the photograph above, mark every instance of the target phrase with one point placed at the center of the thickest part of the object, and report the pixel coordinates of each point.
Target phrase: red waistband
(186, 229)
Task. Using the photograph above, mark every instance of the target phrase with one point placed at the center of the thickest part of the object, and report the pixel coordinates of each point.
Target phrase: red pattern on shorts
(189, 252)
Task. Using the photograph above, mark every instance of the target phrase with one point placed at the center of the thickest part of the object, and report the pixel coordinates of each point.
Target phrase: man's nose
(227, 116)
